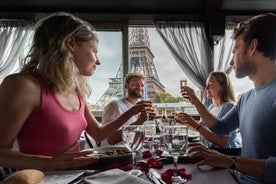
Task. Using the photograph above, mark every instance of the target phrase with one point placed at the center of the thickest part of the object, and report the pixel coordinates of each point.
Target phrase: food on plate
(115, 152)
(26, 176)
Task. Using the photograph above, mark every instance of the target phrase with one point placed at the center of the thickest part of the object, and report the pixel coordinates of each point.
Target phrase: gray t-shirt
(255, 115)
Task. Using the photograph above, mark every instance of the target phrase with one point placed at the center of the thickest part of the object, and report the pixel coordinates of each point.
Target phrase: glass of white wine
(183, 83)
(133, 138)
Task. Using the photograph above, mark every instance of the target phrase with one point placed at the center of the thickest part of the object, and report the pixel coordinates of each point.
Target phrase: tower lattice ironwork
(140, 60)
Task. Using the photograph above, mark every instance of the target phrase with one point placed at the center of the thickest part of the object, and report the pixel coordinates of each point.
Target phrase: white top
(113, 110)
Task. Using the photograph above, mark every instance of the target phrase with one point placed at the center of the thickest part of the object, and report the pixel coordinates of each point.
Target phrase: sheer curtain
(15, 39)
(223, 51)
(188, 44)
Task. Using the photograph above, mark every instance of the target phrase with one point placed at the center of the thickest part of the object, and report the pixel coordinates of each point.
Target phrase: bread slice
(26, 176)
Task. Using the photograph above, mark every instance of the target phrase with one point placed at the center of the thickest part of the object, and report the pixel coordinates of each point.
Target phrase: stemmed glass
(148, 107)
(133, 138)
(150, 131)
(176, 139)
(183, 83)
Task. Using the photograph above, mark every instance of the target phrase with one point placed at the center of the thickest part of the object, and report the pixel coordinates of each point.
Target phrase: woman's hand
(185, 119)
(210, 157)
(189, 94)
(65, 159)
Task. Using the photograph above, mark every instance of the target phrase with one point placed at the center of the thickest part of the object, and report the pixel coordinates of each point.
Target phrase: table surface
(202, 175)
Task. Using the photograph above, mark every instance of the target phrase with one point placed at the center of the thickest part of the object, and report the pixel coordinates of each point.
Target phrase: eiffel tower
(140, 60)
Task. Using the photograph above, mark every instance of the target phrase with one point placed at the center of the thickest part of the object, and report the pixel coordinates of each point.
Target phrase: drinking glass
(148, 107)
(176, 139)
(149, 131)
(157, 145)
(183, 83)
(133, 138)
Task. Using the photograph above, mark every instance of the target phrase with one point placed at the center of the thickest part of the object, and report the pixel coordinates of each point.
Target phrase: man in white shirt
(134, 85)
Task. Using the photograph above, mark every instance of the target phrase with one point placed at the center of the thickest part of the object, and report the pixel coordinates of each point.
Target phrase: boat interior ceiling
(138, 11)
(113, 14)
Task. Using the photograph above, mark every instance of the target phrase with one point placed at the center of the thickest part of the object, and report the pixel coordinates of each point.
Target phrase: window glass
(170, 73)
(110, 56)
(106, 83)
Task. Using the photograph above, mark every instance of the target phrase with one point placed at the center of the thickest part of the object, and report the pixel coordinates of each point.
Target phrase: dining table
(96, 175)
(201, 175)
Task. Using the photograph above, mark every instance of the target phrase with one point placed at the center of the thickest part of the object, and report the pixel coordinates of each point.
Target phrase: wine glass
(157, 145)
(183, 83)
(148, 107)
(149, 131)
(176, 139)
(133, 138)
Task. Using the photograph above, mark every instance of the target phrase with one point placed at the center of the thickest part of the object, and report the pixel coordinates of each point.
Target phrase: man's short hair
(130, 76)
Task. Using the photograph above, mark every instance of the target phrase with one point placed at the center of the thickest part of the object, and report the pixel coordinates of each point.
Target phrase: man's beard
(244, 70)
(133, 94)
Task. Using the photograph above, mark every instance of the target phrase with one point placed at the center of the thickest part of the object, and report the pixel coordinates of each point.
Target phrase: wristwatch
(233, 163)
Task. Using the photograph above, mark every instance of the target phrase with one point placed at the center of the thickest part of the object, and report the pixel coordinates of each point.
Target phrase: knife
(155, 177)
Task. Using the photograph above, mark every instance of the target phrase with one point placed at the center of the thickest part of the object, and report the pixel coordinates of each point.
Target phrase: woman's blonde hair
(228, 94)
(50, 55)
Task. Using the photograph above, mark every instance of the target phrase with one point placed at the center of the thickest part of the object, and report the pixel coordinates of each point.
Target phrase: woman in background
(220, 90)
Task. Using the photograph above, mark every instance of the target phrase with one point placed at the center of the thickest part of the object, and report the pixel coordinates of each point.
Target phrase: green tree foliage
(167, 98)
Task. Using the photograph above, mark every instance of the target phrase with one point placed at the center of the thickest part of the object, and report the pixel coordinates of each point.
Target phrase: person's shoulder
(21, 81)
(228, 104)
(113, 102)
(111, 105)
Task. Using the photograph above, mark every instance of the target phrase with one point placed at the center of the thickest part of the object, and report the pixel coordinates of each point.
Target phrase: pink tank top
(51, 127)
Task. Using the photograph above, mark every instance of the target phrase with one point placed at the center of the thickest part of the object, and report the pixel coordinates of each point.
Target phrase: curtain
(189, 46)
(15, 40)
(223, 51)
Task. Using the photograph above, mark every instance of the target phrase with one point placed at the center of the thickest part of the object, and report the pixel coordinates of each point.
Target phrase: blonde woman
(220, 90)
(43, 106)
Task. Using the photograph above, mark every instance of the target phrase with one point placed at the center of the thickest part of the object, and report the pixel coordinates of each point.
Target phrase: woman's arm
(117, 135)
(208, 118)
(19, 96)
(210, 136)
(100, 132)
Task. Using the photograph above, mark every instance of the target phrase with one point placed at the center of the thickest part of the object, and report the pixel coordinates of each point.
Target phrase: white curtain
(15, 40)
(188, 44)
(223, 51)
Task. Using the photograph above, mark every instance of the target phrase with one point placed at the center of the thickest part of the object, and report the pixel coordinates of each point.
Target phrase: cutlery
(161, 159)
(155, 176)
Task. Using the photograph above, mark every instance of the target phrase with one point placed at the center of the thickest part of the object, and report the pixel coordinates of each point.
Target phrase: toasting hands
(189, 94)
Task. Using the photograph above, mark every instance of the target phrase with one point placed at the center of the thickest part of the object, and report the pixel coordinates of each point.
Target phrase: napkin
(62, 177)
(114, 176)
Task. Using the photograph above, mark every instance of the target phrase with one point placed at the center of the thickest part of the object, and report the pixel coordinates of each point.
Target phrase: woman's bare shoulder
(21, 80)
(26, 84)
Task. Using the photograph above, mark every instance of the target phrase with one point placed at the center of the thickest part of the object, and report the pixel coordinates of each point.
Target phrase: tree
(167, 98)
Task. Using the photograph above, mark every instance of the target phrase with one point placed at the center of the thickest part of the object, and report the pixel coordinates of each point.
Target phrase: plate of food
(111, 154)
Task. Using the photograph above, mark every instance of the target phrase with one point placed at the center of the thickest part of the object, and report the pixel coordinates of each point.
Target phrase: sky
(109, 52)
